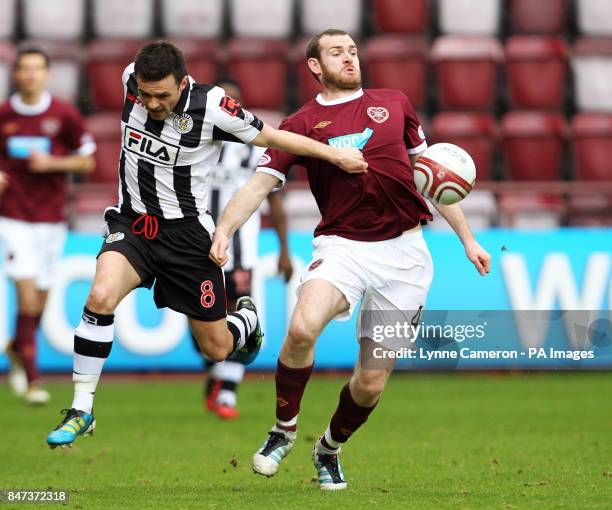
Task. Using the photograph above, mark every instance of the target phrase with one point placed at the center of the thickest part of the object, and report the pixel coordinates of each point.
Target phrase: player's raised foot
(75, 423)
(249, 352)
(277, 446)
(329, 471)
(226, 412)
(36, 395)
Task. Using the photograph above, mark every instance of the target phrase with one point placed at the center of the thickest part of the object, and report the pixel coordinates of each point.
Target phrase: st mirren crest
(378, 114)
(183, 123)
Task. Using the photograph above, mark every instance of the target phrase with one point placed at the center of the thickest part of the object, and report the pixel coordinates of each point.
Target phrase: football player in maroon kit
(41, 139)
(368, 244)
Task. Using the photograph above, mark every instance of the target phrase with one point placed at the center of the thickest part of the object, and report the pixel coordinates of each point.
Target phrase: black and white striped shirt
(164, 164)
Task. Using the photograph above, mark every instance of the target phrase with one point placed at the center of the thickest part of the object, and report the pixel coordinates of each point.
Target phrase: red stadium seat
(467, 71)
(308, 86)
(8, 17)
(192, 18)
(54, 19)
(260, 67)
(475, 132)
(594, 17)
(118, 18)
(106, 130)
(403, 16)
(7, 55)
(66, 60)
(592, 67)
(592, 141)
(264, 18)
(533, 145)
(541, 17)
(397, 62)
(470, 17)
(319, 15)
(536, 69)
(202, 57)
(107, 61)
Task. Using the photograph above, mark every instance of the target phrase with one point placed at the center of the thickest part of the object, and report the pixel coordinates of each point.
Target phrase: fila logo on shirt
(150, 147)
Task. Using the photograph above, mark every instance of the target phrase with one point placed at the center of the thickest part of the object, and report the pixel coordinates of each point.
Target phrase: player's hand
(350, 160)
(218, 250)
(4, 181)
(478, 256)
(285, 267)
(39, 162)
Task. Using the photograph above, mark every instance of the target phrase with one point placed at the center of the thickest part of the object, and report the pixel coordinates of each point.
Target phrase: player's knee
(302, 334)
(215, 347)
(101, 299)
(367, 388)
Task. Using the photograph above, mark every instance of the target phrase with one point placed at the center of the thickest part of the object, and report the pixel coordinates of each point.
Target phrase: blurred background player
(41, 139)
(236, 165)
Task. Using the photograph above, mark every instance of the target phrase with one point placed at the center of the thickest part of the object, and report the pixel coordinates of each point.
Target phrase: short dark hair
(30, 50)
(313, 49)
(158, 59)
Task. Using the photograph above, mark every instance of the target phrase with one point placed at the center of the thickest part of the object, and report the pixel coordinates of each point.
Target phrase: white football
(445, 173)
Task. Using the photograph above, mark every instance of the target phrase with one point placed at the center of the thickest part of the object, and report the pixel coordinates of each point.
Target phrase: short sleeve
(232, 122)
(75, 135)
(414, 136)
(276, 162)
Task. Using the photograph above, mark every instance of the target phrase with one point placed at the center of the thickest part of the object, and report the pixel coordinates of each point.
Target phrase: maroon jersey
(375, 206)
(53, 127)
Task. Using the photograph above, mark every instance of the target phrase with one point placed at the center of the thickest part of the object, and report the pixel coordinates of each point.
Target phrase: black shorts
(238, 283)
(175, 260)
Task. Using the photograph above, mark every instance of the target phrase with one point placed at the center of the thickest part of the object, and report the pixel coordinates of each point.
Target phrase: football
(445, 173)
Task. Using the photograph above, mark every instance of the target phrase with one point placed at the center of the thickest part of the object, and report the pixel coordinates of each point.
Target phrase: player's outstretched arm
(241, 206)
(474, 252)
(39, 162)
(348, 159)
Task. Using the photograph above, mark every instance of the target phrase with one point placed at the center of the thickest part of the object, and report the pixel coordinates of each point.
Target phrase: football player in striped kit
(236, 165)
(160, 232)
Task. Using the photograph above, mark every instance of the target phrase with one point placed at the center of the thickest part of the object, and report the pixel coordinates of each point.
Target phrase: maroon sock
(25, 344)
(290, 385)
(349, 416)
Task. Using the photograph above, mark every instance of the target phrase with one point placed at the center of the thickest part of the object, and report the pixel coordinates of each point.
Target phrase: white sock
(334, 445)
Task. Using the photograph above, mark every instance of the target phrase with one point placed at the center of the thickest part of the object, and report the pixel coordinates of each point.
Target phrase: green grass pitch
(460, 441)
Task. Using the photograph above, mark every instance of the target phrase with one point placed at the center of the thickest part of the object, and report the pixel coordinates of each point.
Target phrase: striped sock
(241, 324)
(93, 340)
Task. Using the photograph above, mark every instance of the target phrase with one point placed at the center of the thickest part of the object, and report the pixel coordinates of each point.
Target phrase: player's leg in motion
(358, 399)
(220, 388)
(319, 302)
(24, 375)
(237, 337)
(114, 279)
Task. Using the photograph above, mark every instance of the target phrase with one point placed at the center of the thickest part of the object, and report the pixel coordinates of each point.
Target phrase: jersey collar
(340, 100)
(31, 109)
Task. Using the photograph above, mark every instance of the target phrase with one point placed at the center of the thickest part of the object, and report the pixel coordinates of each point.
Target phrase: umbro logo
(322, 124)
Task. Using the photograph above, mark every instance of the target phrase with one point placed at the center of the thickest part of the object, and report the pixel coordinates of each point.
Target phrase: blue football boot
(75, 423)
